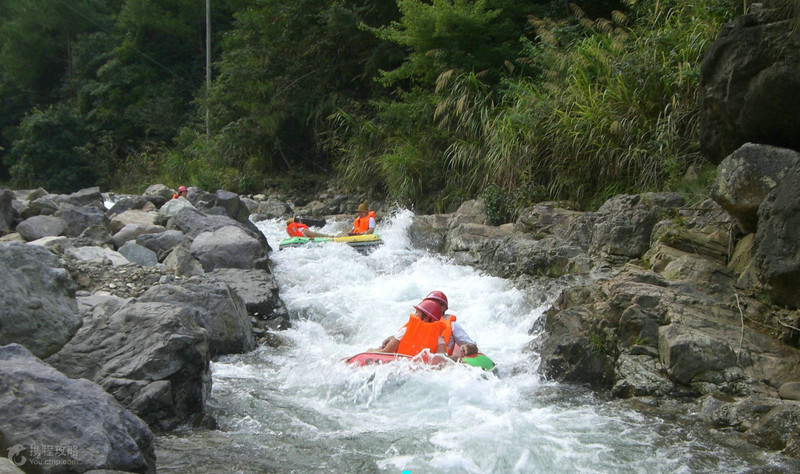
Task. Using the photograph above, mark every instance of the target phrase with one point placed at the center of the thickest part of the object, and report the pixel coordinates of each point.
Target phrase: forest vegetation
(424, 102)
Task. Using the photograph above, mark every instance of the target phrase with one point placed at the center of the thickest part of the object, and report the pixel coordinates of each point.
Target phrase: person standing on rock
(365, 222)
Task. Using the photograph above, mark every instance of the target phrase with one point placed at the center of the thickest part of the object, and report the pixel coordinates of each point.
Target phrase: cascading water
(298, 408)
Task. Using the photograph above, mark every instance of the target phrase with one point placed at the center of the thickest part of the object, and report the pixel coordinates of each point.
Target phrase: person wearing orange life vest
(456, 334)
(365, 222)
(295, 228)
(182, 192)
(423, 330)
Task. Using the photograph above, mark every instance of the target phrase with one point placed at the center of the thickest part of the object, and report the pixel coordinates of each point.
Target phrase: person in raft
(424, 330)
(182, 192)
(458, 336)
(365, 222)
(295, 228)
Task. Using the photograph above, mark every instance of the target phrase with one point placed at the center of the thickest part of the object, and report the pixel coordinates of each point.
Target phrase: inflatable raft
(368, 358)
(362, 243)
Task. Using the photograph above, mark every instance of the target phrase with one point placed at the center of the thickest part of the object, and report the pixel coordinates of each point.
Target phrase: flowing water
(298, 408)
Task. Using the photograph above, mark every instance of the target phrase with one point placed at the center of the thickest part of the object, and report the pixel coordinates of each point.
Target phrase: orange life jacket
(295, 229)
(174, 196)
(361, 224)
(448, 320)
(420, 336)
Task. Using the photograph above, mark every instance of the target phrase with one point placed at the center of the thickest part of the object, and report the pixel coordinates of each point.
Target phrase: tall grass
(594, 107)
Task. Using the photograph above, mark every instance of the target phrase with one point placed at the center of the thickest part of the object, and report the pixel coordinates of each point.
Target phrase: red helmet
(438, 296)
(431, 308)
(182, 188)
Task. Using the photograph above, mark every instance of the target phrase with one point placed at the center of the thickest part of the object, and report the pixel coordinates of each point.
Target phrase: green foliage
(50, 151)
(498, 205)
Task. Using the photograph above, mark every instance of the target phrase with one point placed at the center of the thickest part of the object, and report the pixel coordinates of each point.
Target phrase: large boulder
(89, 197)
(749, 80)
(127, 203)
(78, 219)
(132, 231)
(233, 205)
(272, 208)
(42, 407)
(162, 242)
(171, 208)
(746, 177)
(7, 211)
(228, 247)
(259, 291)
(37, 307)
(36, 227)
(215, 307)
(158, 194)
(139, 255)
(133, 216)
(153, 357)
(428, 232)
(92, 253)
(181, 261)
(777, 260)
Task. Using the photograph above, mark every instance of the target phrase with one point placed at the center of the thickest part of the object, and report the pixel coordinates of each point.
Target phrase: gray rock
(97, 253)
(778, 239)
(742, 414)
(133, 216)
(273, 207)
(139, 255)
(181, 261)
(56, 244)
(778, 428)
(790, 391)
(746, 177)
(36, 227)
(41, 406)
(428, 232)
(12, 237)
(94, 236)
(46, 205)
(215, 307)
(638, 376)
(78, 219)
(7, 211)
(252, 206)
(233, 205)
(171, 208)
(30, 194)
(126, 203)
(37, 308)
(89, 197)
(470, 212)
(228, 247)
(8, 467)
(132, 231)
(748, 87)
(161, 243)
(153, 357)
(623, 227)
(158, 194)
(259, 291)
(317, 209)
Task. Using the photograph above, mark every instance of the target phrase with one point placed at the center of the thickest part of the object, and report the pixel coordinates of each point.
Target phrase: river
(298, 408)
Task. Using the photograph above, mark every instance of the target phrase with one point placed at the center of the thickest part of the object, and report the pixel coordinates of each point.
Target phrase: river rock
(36, 227)
(153, 357)
(132, 231)
(215, 307)
(7, 211)
(41, 406)
(741, 414)
(790, 391)
(139, 255)
(228, 247)
(746, 177)
(158, 194)
(181, 261)
(58, 244)
(171, 208)
(428, 232)
(127, 203)
(778, 428)
(29, 194)
(233, 205)
(94, 236)
(623, 226)
(470, 212)
(133, 216)
(97, 253)
(162, 242)
(273, 207)
(46, 205)
(37, 308)
(748, 87)
(778, 239)
(259, 291)
(640, 375)
(78, 219)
